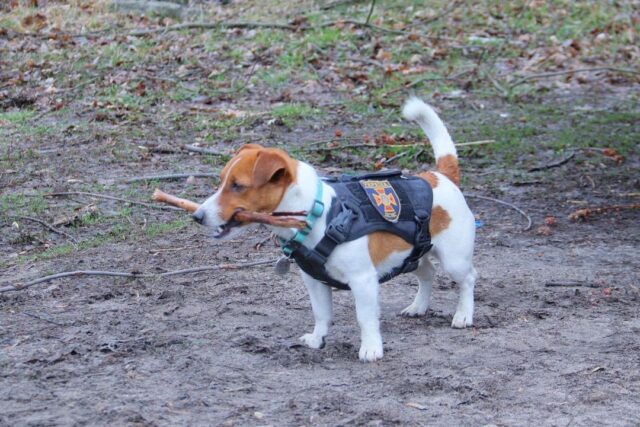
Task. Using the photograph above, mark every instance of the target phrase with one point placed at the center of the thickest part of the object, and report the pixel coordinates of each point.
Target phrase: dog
(268, 180)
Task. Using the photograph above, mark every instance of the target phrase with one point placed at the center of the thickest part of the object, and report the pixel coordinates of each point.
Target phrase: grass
(358, 69)
(290, 113)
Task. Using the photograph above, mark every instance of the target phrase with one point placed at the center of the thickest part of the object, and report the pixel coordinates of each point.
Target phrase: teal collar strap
(314, 213)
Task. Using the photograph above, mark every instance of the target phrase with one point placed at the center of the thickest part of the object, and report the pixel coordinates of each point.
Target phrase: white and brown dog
(266, 180)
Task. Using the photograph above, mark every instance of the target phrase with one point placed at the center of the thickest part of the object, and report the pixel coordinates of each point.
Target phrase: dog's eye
(237, 188)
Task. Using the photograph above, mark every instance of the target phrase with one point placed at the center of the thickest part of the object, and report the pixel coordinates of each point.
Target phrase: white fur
(350, 262)
(416, 110)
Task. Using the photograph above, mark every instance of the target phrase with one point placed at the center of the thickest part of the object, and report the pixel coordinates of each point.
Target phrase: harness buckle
(338, 229)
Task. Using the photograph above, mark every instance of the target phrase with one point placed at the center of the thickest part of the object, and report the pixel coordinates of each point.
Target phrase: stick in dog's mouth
(277, 219)
(225, 228)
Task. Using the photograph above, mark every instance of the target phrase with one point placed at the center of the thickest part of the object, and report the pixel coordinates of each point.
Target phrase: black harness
(383, 201)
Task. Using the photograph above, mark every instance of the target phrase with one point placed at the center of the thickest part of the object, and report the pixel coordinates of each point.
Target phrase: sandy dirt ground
(221, 348)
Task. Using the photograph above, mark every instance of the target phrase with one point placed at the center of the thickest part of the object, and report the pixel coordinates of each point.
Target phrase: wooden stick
(49, 226)
(570, 285)
(102, 196)
(276, 219)
(554, 164)
(264, 218)
(83, 273)
(172, 176)
(187, 205)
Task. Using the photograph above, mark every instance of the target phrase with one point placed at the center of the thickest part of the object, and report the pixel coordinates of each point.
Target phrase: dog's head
(255, 180)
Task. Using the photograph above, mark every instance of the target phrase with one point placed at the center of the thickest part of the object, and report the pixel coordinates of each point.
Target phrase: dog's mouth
(225, 229)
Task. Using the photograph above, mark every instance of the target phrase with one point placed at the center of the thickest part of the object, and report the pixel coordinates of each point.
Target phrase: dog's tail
(443, 149)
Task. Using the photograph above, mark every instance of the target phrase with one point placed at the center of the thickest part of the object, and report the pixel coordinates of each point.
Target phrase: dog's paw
(414, 311)
(313, 341)
(370, 352)
(462, 320)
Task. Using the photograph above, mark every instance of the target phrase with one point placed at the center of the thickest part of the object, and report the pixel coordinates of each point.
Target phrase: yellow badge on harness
(384, 197)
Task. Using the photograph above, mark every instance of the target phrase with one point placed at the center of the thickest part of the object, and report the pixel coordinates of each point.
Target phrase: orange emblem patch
(384, 197)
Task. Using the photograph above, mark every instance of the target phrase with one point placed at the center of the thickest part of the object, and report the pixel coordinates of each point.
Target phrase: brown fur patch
(382, 244)
(246, 187)
(448, 166)
(430, 177)
(439, 221)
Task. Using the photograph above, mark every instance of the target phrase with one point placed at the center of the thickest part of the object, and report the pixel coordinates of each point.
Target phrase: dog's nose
(198, 216)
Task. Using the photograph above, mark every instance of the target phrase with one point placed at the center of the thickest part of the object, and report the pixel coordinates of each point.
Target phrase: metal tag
(282, 265)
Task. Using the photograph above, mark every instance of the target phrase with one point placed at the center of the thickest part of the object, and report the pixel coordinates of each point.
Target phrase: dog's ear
(270, 166)
(249, 147)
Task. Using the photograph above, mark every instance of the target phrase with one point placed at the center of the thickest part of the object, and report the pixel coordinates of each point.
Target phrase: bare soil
(222, 348)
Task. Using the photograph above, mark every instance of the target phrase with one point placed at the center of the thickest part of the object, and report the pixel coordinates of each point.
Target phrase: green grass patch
(157, 229)
(289, 113)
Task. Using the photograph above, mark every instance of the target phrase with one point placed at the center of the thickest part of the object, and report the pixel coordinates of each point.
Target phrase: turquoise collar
(314, 213)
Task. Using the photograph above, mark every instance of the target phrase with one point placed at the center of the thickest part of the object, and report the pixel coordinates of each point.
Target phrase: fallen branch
(570, 285)
(584, 213)
(373, 4)
(554, 164)
(171, 176)
(277, 219)
(579, 70)
(520, 211)
(208, 26)
(44, 319)
(194, 149)
(422, 80)
(104, 196)
(314, 145)
(84, 273)
(184, 204)
(49, 226)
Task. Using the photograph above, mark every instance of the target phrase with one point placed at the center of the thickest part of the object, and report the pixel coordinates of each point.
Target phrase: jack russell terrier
(342, 246)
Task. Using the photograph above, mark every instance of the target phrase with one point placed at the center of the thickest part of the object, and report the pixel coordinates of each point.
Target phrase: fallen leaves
(34, 22)
(584, 213)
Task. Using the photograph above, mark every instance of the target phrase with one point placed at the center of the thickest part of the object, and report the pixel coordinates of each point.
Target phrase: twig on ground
(570, 285)
(171, 176)
(314, 146)
(104, 196)
(49, 226)
(209, 26)
(584, 213)
(338, 4)
(444, 13)
(579, 70)
(394, 157)
(554, 164)
(373, 4)
(44, 319)
(83, 273)
(520, 211)
(480, 142)
(194, 149)
(422, 80)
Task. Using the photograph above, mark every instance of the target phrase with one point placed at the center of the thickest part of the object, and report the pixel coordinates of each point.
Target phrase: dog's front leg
(322, 305)
(365, 294)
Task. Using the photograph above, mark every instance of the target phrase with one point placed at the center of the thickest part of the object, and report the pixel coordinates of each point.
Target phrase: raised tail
(443, 149)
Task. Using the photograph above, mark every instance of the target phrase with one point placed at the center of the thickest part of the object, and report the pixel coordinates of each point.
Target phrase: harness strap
(288, 246)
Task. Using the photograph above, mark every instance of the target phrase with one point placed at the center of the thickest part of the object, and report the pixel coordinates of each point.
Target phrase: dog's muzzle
(198, 216)
(219, 231)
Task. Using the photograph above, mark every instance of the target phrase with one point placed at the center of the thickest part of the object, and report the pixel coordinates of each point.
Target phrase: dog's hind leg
(322, 305)
(463, 273)
(425, 274)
